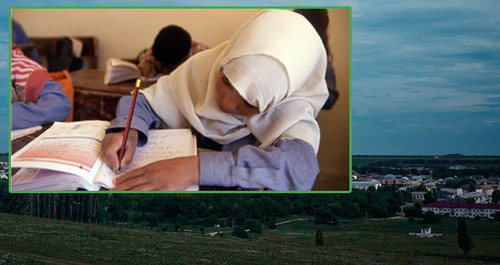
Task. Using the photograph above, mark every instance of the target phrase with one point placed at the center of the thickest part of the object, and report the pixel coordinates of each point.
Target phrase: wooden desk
(95, 100)
(19, 143)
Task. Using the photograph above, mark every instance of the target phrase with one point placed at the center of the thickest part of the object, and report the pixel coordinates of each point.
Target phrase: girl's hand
(111, 145)
(174, 174)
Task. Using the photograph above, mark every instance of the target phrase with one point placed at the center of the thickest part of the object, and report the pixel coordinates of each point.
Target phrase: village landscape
(397, 212)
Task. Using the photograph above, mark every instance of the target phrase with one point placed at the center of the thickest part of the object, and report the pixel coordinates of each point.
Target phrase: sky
(425, 74)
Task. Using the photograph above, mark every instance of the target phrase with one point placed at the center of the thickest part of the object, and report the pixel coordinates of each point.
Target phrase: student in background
(319, 19)
(254, 99)
(171, 47)
(19, 37)
(36, 99)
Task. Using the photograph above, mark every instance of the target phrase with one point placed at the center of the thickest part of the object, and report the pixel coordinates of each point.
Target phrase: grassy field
(25, 240)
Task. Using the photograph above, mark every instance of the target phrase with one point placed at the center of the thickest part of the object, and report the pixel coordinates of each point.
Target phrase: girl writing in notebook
(253, 99)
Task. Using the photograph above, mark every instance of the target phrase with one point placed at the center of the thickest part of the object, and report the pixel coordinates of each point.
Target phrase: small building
(478, 197)
(456, 192)
(425, 232)
(364, 185)
(430, 185)
(481, 182)
(418, 195)
(417, 178)
(444, 195)
(390, 176)
(488, 190)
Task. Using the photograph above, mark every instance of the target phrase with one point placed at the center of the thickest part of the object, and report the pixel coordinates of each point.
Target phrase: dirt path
(293, 220)
(41, 258)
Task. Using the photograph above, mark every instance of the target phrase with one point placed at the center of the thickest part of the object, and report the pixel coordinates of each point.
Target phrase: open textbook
(119, 70)
(67, 156)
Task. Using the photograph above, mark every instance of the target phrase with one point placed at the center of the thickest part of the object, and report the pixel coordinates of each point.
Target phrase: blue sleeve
(52, 105)
(288, 165)
(144, 117)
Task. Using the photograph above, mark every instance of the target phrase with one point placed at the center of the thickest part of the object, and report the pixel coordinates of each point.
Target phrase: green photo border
(189, 192)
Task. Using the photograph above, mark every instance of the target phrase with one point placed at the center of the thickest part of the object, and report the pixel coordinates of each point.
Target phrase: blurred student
(171, 47)
(319, 19)
(19, 37)
(36, 99)
(253, 99)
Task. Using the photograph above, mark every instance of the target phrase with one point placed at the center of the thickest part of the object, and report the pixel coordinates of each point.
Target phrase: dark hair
(171, 45)
(319, 20)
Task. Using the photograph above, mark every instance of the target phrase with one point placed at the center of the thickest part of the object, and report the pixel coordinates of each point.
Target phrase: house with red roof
(481, 182)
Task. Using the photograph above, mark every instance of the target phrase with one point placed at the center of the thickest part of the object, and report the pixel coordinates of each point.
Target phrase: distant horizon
(6, 153)
(424, 75)
(434, 155)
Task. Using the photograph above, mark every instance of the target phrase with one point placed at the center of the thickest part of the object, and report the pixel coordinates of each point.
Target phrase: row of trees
(443, 171)
(433, 161)
(203, 209)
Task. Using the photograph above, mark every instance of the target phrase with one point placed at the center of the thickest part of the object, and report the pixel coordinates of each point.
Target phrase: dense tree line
(437, 171)
(244, 210)
(431, 161)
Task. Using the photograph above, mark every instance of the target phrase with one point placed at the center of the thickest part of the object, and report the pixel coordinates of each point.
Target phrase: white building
(456, 192)
(364, 185)
(469, 210)
(488, 190)
(477, 196)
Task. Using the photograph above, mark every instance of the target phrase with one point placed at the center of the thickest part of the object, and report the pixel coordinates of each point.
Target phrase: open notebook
(67, 156)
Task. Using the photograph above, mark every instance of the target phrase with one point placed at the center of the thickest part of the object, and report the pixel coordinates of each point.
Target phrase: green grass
(25, 240)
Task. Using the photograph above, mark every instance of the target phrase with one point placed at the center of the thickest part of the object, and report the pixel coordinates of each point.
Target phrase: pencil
(129, 121)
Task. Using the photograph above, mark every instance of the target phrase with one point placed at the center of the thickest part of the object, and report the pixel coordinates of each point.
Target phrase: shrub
(254, 225)
(319, 237)
(430, 218)
(239, 231)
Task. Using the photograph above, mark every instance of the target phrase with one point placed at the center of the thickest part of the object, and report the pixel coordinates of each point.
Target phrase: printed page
(118, 71)
(71, 147)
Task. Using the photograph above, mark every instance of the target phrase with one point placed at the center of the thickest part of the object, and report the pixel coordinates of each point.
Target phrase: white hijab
(276, 62)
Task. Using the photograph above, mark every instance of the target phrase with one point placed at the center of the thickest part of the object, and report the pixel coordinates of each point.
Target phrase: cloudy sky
(426, 78)
(425, 75)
